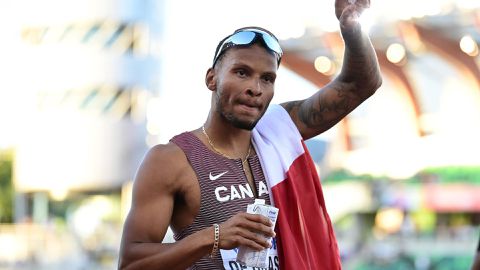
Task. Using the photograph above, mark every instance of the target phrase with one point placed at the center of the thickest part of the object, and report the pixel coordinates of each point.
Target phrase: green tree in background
(447, 174)
(6, 188)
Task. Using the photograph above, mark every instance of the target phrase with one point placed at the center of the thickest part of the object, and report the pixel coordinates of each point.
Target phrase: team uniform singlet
(224, 192)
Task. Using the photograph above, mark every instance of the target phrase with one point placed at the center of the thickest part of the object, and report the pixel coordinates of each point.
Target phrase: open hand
(246, 230)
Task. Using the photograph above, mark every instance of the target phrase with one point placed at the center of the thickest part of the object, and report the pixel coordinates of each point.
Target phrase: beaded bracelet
(216, 240)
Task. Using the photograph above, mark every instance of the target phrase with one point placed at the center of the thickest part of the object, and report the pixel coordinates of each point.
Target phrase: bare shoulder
(159, 178)
(166, 154)
(160, 170)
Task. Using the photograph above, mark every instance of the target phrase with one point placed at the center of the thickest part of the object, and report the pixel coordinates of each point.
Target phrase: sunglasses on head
(249, 36)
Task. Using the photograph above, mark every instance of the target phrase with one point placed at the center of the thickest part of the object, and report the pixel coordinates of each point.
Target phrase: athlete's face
(243, 84)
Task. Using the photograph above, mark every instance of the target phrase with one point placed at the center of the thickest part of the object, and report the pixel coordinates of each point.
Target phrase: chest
(218, 189)
(213, 187)
(229, 182)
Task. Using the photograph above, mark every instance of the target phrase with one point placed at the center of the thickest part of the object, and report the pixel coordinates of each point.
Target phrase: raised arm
(359, 78)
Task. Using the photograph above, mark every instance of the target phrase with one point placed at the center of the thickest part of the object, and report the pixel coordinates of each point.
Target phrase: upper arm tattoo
(324, 109)
(292, 105)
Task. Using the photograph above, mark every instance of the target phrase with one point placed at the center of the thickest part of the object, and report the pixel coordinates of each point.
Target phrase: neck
(228, 140)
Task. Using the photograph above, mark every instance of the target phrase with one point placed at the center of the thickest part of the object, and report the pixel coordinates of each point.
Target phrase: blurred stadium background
(86, 87)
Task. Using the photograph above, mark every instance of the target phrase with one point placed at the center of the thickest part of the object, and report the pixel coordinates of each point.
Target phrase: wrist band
(216, 228)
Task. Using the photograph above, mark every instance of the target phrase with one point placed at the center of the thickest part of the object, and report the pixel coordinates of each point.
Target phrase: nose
(254, 88)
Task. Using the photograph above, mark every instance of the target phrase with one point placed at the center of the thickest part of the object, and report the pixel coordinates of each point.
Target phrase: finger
(350, 18)
(259, 239)
(260, 224)
(260, 228)
(259, 218)
(360, 3)
(239, 236)
(363, 3)
(340, 5)
(252, 244)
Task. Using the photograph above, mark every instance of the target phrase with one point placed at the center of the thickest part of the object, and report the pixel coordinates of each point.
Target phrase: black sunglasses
(246, 37)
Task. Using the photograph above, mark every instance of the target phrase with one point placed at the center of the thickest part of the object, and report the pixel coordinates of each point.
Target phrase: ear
(210, 80)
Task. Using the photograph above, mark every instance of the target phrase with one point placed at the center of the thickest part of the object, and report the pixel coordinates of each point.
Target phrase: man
(200, 183)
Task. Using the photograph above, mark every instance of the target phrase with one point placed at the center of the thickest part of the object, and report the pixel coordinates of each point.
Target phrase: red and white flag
(305, 236)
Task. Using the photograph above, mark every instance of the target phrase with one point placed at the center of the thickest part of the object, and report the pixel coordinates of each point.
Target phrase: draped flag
(305, 235)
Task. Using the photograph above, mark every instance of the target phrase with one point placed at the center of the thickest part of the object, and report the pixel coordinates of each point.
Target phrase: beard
(234, 120)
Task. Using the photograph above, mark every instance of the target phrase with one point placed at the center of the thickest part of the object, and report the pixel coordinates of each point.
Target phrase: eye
(241, 72)
(268, 79)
